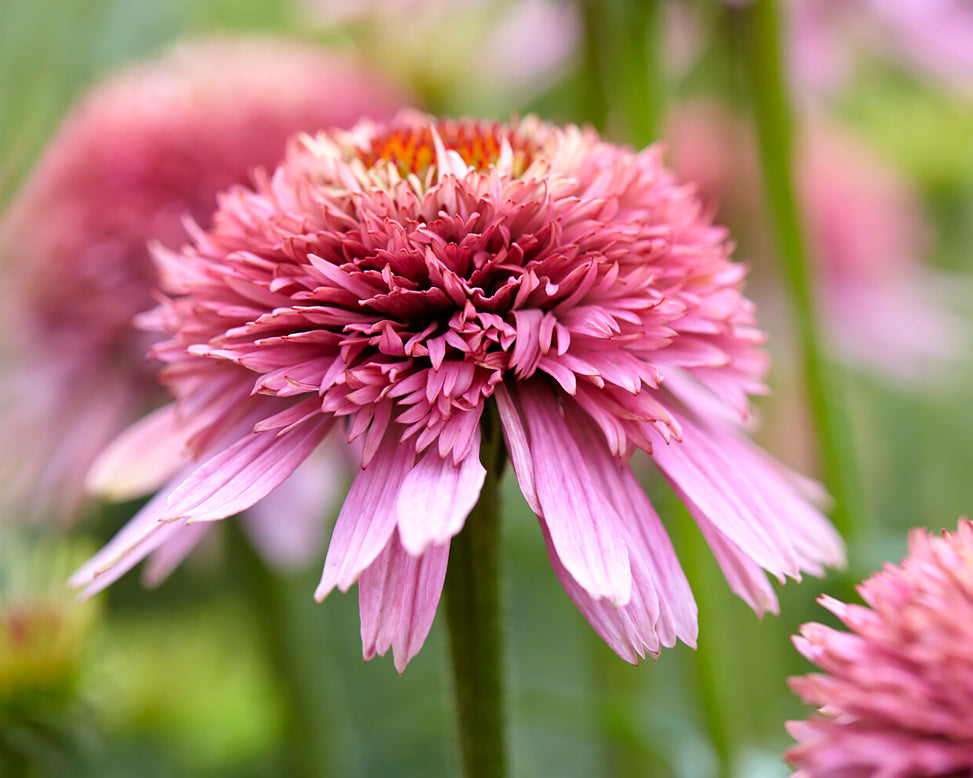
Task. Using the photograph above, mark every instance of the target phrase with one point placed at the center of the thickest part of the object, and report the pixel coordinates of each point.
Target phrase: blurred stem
(760, 52)
(473, 606)
(718, 703)
(623, 69)
(288, 644)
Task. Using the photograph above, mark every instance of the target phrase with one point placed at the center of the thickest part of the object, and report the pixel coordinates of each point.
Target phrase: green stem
(473, 605)
(760, 51)
(718, 700)
(623, 72)
(294, 659)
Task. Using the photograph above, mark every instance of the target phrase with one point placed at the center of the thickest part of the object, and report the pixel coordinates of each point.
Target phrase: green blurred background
(227, 671)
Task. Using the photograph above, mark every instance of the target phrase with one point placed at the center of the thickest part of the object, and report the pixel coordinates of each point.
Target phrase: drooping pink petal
(144, 533)
(662, 608)
(515, 436)
(172, 550)
(251, 468)
(288, 525)
(142, 458)
(724, 481)
(436, 497)
(585, 528)
(367, 518)
(398, 594)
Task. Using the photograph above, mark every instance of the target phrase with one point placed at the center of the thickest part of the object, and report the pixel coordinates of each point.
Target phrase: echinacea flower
(896, 692)
(881, 306)
(144, 151)
(388, 284)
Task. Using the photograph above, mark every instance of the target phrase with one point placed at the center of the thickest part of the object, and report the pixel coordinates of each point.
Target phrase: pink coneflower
(143, 152)
(390, 283)
(897, 691)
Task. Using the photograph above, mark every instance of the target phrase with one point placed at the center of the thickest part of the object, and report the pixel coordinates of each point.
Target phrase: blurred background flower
(140, 159)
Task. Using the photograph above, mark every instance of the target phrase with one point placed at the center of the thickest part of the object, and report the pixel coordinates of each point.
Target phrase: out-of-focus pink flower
(389, 284)
(143, 152)
(880, 306)
(932, 37)
(458, 49)
(896, 694)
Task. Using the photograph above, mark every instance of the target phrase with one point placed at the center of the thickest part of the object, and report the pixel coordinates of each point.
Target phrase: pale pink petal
(720, 489)
(515, 436)
(168, 556)
(143, 533)
(142, 458)
(437, 496)
(251, 468)
(662, 608)
(744, 576)
(367, 517)
(398, 594)
(585, 528)
(288, 525)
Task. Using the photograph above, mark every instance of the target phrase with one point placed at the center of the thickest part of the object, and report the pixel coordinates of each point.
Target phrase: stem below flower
(760, 50)
(473, 612)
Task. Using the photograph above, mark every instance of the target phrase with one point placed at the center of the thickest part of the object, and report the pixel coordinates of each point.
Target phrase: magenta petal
(437, 496)
(367, 517)
(398, 594)
(585, 528)
(251, 468)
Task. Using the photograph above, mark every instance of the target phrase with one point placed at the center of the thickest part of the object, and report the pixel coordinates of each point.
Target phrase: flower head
(388, 283)
(897, 690)
(143, 152)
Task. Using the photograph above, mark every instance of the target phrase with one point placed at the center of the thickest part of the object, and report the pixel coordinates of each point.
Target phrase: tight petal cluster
(143, 152)
(896, 692)
(387, 284)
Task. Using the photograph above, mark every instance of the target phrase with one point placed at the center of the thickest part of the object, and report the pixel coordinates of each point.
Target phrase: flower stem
(761, 54)
(473, 605)
(624, 77)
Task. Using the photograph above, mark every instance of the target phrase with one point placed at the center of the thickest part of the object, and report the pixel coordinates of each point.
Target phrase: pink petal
(662, 608)
(170, 554)
(287, 526)
(141, 459)
(515, 436)
(143, 533)
(743, 575)
(437, 496)
(398, 594)
(237, 477)
(367, 517)
(585, 528)
(718, 488)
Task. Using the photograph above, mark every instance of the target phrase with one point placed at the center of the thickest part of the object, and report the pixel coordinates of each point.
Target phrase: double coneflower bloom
(397, 285)
(896, 691)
